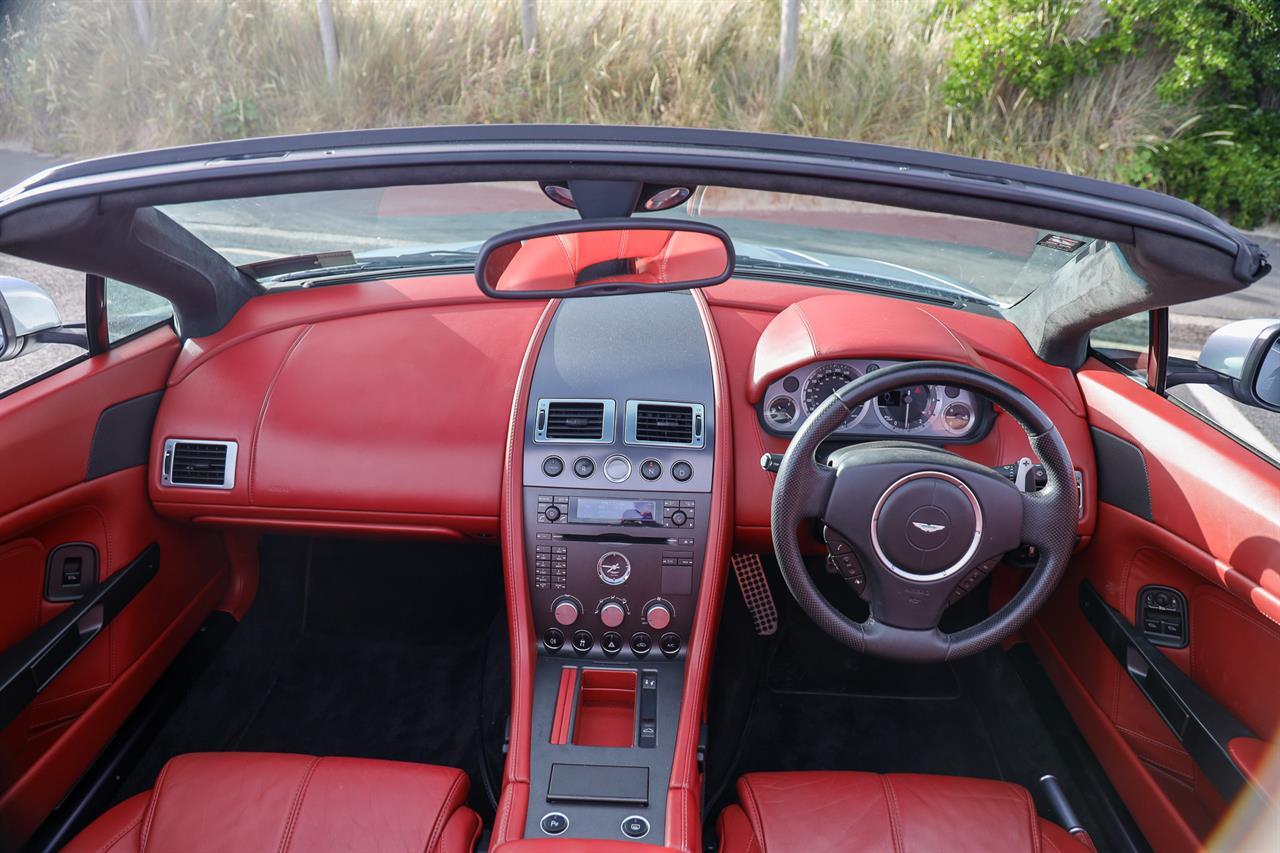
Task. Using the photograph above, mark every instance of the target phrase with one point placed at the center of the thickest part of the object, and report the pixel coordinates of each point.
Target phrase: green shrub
(1233, 170)
(1222, 56)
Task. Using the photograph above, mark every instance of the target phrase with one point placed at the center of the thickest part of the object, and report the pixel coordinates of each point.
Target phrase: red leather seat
(244, 801)
(902, 813)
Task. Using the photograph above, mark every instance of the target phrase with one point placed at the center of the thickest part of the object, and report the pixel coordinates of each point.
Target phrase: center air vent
(673, 424)
(199, 464)
(585, 421)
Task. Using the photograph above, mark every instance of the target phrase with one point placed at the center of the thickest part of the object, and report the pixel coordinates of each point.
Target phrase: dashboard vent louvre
(199, 464)
(675, 424)
(575, 420)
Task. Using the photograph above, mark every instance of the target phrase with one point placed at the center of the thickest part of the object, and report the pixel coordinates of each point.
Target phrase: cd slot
(616, 538)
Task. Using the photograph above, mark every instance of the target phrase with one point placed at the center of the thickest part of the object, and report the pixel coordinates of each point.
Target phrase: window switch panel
(71, 571)
(1162, 616)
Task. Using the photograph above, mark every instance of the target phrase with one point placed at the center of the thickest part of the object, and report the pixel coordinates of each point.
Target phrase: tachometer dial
(782, 411)
(907, 409)
(824, 382)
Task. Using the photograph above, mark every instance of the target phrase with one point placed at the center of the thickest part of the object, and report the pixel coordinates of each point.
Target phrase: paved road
(1191, 324)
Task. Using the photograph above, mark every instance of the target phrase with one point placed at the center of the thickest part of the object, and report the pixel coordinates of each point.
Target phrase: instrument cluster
(931, 412)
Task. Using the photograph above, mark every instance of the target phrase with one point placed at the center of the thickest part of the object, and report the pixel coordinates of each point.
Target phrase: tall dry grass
(76, 78)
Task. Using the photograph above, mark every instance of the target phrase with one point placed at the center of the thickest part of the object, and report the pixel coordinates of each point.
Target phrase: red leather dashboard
(381, 407)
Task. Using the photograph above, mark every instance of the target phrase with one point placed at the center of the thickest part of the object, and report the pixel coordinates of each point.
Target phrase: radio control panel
(614, 575)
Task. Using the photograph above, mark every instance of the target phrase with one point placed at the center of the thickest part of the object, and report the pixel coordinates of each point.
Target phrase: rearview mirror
(1248, 354)
(25, 312)
(603, 256)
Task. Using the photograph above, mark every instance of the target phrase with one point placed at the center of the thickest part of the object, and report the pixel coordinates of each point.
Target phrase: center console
(617, 472)
(614, 574)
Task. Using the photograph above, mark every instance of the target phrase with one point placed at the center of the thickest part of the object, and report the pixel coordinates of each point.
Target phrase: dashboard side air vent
(200, 464)
(669, 424)
(585, 421)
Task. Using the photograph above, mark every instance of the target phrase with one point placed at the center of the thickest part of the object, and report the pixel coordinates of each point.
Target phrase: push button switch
(554, 823)
(635, 827)
(582, 641)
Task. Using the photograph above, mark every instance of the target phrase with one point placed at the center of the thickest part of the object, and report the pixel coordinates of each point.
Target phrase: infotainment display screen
(613, 511)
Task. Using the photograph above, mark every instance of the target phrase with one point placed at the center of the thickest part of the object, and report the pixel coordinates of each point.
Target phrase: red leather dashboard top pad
(384, 414)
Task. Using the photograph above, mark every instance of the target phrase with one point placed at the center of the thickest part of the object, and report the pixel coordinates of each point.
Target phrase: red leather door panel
(45, 439)
(1214, 535)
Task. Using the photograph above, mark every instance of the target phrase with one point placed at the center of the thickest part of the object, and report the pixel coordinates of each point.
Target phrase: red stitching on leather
(152, 806)
(891, 802)
(446, 812)
(292, 820)
(121, 834)
(1031, 814)
(516, 575)
(754, 816)
(266, 401)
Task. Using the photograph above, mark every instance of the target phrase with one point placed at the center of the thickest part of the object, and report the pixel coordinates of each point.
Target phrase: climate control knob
(658, 615)
(566, 611)
(612, 613)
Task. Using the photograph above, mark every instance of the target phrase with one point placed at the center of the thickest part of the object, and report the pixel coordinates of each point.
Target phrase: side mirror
(599, 257)
(1247, 355)
(25, 312)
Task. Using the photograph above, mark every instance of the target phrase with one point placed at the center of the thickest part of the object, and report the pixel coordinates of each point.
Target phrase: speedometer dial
(907, 409)
(824, 382)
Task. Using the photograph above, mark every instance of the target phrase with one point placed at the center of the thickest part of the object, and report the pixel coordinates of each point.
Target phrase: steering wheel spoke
(913, 528)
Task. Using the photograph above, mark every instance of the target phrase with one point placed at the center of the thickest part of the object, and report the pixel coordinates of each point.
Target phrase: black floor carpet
(816, 705)
(372, 650)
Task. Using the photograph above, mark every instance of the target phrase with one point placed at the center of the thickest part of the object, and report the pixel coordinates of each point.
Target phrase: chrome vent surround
(574, 421)
(197, 463)
(656, 422)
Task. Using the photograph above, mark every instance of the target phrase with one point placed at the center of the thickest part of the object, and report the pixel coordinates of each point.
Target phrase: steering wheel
(913, 528)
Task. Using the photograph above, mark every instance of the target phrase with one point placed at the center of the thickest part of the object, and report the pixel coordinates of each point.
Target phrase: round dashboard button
(582, 641)
(551, 513)
(669, 643)
(554, 823)
(617, 468)
(553, 639)
(651, 469)
(682, 471)
(635, 826)
(641, 643)
(584, 467)
(611, 643)
(553, 466)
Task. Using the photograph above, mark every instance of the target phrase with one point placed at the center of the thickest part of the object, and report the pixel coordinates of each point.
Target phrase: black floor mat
(816, 705)
(364, 649)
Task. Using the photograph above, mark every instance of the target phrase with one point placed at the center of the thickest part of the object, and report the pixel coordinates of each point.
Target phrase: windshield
(283, 239)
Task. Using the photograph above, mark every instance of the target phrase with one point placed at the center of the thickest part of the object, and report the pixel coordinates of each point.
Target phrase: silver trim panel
(228, 472)
(606, 424)
(699, 429)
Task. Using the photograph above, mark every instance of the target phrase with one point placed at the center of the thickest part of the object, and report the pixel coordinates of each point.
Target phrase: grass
(76, 79)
